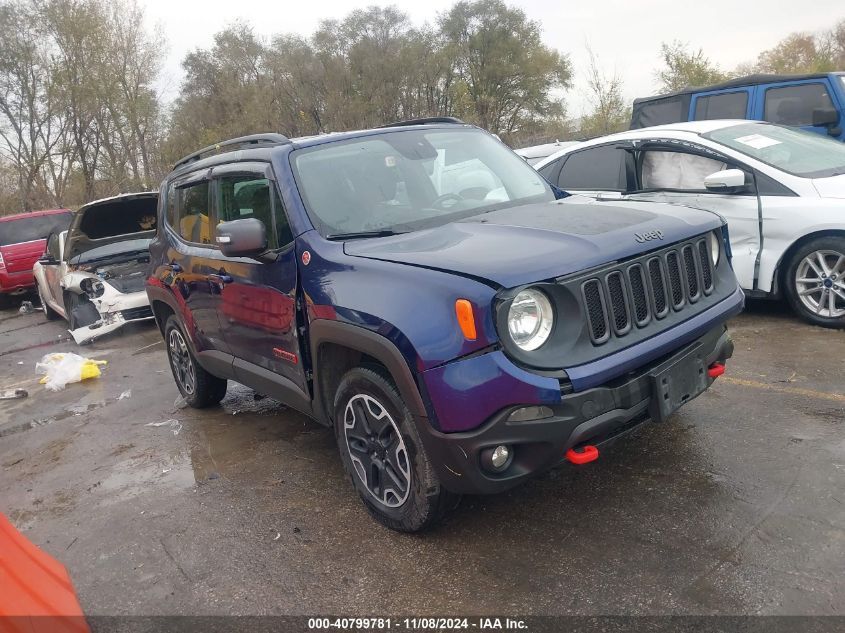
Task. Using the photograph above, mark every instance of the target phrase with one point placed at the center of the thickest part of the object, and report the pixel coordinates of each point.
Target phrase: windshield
(411, 179)
(111, 250)
(794, 151)
(29, 229)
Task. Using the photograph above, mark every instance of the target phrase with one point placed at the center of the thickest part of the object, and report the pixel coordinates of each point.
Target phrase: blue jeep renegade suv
(461, 324)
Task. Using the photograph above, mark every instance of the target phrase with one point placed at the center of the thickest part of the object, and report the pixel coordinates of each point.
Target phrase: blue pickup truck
(813, 102)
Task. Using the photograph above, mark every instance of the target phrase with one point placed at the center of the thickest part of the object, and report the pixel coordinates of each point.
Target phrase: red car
(23, 239)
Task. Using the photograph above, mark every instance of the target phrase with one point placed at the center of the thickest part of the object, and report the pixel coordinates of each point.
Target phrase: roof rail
(431, 119)
(253, 140)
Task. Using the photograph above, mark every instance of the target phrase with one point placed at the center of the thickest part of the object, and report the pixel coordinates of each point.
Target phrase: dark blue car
(461, 324)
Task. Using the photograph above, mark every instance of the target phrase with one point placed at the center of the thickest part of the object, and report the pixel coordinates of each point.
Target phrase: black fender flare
(366, 341)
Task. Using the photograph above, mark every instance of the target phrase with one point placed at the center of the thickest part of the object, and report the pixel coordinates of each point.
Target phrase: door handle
(221, 278)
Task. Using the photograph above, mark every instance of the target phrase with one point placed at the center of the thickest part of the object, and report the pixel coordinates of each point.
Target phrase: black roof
(749, 80)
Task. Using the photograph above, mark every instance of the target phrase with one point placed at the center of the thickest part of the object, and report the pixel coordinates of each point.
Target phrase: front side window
(794, 105)
(730, 105)
(411, 179)
(796, 152)
(676, 170)
(53, 246)
(244, 197)
(191, 213)
(599, 168)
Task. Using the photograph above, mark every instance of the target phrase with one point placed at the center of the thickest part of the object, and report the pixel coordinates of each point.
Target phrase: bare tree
(32, 124)
(609, 113)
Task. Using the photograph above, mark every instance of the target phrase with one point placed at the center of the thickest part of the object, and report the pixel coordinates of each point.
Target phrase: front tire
(815, 282)
(199, 388)
(383, 455)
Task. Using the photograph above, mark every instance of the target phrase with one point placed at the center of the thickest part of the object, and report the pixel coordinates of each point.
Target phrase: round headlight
(530, 319)
(715, 239)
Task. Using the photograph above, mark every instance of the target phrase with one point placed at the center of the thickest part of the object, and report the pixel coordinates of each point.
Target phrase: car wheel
(815, 282)
(49, 313)
(383, 455)
(199, 388)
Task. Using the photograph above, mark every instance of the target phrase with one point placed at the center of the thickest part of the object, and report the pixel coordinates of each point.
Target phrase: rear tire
(49, 313)
(199, 388)
(814, 282)
(382, 454)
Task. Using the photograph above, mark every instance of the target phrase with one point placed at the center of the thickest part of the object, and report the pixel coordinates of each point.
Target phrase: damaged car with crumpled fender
(93, 274)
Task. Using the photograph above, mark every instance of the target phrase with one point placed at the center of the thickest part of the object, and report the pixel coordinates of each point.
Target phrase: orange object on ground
(36, 594)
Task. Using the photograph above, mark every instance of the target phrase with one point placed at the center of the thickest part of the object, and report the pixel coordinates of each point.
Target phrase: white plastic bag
(61, 369)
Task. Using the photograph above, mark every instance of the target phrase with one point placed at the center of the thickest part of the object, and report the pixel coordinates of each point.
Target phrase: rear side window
(189, 216)
(794, 105)
(598, 168)
(29, 229)
(660, 111)
(730, 105)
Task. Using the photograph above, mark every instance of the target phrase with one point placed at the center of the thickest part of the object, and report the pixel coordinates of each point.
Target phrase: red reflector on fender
(587, 455)
(715, 370)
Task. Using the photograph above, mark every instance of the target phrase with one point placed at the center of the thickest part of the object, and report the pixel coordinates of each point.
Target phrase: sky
(624, 35)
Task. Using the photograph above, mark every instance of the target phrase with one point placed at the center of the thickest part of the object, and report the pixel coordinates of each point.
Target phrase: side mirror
(47, 260)
(725, 181)
(242, 238)
(823, 117)
(829, 118)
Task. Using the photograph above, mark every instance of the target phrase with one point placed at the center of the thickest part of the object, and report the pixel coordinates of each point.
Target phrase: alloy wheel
(180, 360)
(377, 450)
(820, 283)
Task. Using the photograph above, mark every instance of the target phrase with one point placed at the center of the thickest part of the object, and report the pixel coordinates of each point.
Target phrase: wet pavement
(735, 506)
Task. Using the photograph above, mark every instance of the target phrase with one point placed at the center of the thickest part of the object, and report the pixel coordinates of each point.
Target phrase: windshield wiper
(363, 234)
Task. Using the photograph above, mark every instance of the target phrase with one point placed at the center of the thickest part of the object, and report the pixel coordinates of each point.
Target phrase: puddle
(73, 411)
(145, 473)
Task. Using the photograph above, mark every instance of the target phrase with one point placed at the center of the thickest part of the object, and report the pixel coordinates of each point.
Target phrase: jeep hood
(520, 245)
(111, 220)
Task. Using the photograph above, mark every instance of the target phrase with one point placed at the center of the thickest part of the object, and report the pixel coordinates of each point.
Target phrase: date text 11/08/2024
(417, 624)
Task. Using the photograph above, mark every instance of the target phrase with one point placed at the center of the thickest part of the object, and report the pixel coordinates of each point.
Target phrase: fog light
(526, 414)
(496, 459)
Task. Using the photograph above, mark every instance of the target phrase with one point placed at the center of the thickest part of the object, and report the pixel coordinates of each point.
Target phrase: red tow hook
(715, 370)
(585, 456)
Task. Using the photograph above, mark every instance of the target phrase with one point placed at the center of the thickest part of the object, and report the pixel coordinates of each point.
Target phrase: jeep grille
(644, 290)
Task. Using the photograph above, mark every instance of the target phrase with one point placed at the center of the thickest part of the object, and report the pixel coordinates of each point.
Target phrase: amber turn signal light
(463, 310)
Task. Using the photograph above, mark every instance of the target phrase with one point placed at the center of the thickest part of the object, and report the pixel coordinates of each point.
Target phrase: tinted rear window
(29, 229)
(660, 111)
(730, 105)
(598, 168)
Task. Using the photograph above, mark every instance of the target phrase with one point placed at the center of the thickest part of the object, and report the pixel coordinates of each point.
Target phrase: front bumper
(596, 416)
(115, 310)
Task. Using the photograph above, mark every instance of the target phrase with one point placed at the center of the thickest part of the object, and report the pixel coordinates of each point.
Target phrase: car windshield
(31, 228)
(411, 179)
(796, 152)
